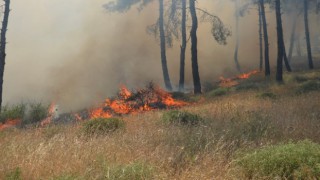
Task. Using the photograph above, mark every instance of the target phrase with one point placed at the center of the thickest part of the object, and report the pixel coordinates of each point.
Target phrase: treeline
(177, 13)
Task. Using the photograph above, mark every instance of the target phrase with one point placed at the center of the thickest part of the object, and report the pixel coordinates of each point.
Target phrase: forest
(160, 89)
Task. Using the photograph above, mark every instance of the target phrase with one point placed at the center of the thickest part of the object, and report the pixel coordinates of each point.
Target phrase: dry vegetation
(238, 121)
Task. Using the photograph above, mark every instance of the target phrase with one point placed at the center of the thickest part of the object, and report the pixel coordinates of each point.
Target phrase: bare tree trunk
(165, 71)
(194, 50)
(260, 39)
(236, 60)
(3, 45)
(279, 73)
(286, 61)
(292, 37)
(266, 40)
(306, 23)
(183, 45)
(298, 49)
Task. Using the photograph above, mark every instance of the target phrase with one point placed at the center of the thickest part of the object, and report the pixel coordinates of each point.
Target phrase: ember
(132, 102)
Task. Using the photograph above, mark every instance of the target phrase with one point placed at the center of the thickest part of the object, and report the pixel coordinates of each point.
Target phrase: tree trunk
(266, 40)
(306, 23)
(183, 45)
(285, 57)
(292, 38)
(298, 49)
(260, 39)
(194, 51)
(165, 71)
(236, 60)
(3, 45)
(279, 73)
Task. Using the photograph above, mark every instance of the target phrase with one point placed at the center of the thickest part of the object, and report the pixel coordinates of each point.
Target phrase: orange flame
(10, 123)
(128, 103)
(247, 75)
(51, 111)
(230, 82)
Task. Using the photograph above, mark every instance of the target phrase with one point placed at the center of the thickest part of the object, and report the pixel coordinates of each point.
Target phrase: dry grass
(238, 121)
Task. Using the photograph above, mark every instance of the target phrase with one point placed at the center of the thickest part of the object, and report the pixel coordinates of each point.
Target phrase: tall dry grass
(238, 121)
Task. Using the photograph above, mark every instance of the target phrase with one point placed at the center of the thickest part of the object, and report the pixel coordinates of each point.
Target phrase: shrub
(309, 86)
(267, 95)
(102, 125)
(180, 96)
(12, 112)
(286, 161)
(248, 126)
(37, 112)
(181, 117)
(218, 92)
(14, 175)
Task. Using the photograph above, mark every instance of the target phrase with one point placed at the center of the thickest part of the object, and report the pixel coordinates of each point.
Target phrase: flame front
(230, 82)
(142, 100)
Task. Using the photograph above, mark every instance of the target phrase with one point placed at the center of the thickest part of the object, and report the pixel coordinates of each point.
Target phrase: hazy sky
(75, 53)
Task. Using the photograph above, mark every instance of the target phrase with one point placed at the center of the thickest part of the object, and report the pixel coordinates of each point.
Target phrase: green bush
(102, 125)
(14, 175)
(309, 86)
(267, 95)
(285, 161)
(12, 112)
(181, 117)
(218, 92)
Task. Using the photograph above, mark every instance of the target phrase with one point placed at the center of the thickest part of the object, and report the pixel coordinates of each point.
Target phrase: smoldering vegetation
(76, 53)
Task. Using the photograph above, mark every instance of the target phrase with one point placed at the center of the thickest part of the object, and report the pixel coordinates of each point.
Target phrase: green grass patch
(267, 95)
(180, 118)
(218, 92)
(308, 86)
(243, 86)
(100, 126)
(14, 174)
(285, 161)
(136, 170)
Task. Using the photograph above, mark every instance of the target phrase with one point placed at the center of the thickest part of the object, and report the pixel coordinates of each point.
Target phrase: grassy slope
(244, 118)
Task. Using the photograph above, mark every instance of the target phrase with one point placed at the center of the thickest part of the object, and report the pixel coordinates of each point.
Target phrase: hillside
(207, 139)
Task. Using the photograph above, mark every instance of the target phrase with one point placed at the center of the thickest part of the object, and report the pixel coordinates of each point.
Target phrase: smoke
(76, 54)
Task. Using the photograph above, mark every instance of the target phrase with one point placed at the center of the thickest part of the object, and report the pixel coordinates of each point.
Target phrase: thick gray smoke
(75, 53)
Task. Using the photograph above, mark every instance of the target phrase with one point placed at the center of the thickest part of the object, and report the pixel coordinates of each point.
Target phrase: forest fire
(230, 82)
(132, 102)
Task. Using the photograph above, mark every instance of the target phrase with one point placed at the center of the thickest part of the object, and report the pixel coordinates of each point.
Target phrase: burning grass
(132, 102)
